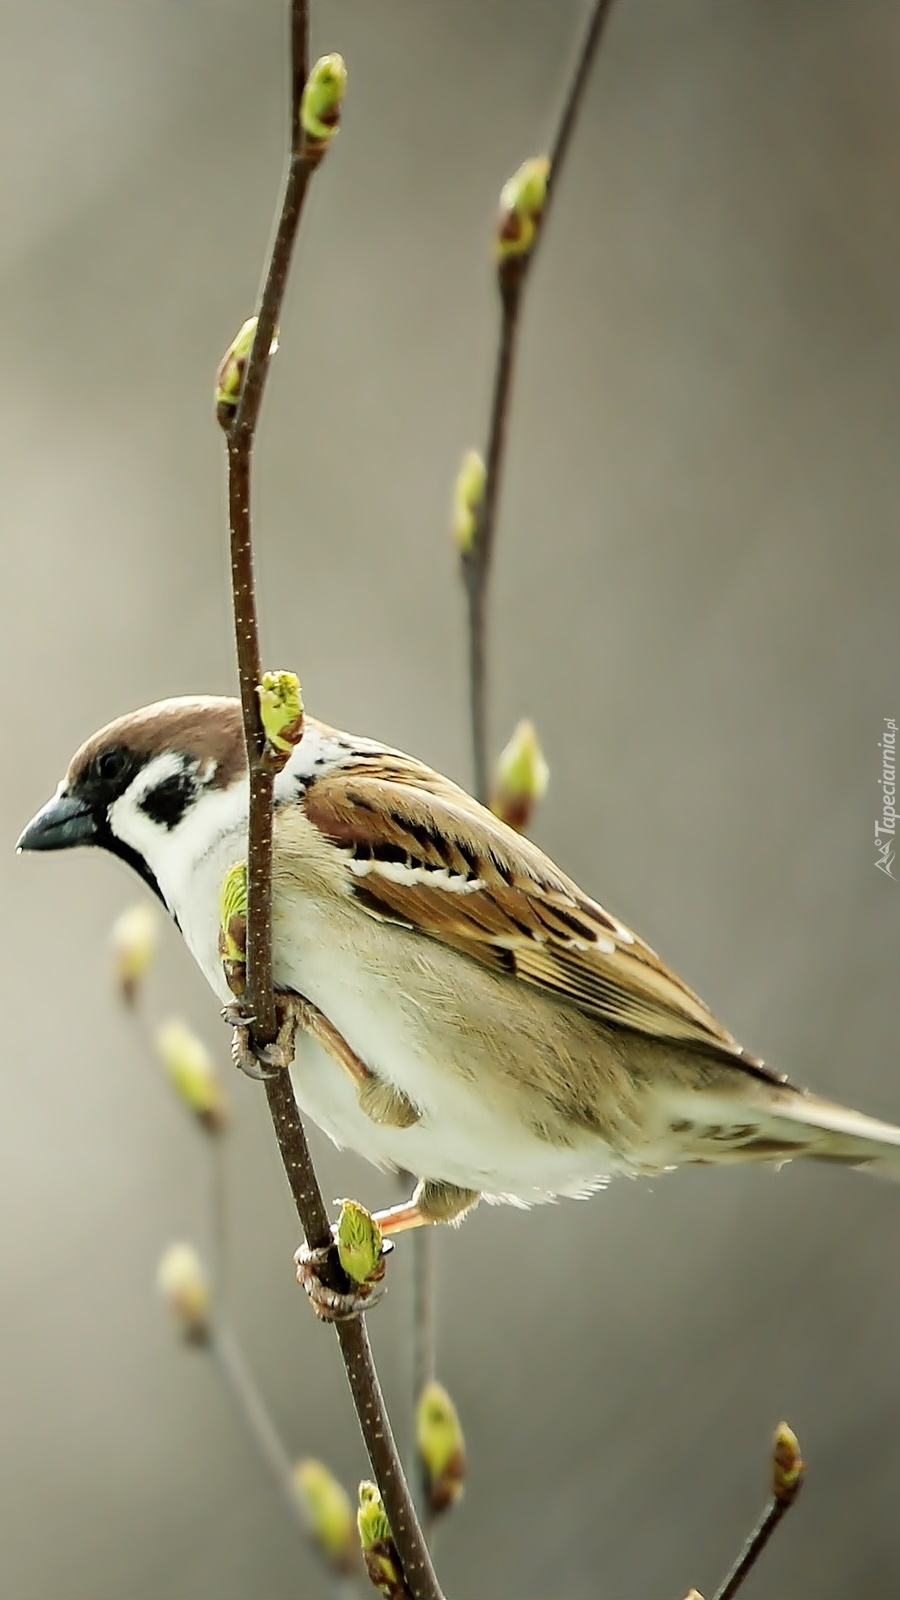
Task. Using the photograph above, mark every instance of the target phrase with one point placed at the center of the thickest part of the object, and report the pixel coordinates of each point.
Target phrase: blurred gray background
(696, 598)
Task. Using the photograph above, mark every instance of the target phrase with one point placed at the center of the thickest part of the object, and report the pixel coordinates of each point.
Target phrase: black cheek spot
(167, 803)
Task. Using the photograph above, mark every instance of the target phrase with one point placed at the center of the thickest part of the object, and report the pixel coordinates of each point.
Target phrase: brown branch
(511, 275)
(787, 1481)
(353, 1338)
(355, 1349)
(752, 1550)
(424, 1315)
(253, 1412)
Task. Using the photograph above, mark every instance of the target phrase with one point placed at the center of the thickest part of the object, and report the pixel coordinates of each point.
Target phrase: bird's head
(145, 785)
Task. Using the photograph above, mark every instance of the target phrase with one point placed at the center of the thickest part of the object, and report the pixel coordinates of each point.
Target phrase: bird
(466, 1012)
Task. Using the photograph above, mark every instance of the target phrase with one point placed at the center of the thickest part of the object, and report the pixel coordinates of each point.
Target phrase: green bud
(320, 104)
(184, 1287)
(233, 926)
(379, 1551)
(468, 493)
(189, 1068)
(439, 1439)
(371, 1518)
(359, 1242)
(231, 369)
(788, 1465)
(520, 779)
(327, 1512)
(281, 710)
(522, 201)
(135, 936)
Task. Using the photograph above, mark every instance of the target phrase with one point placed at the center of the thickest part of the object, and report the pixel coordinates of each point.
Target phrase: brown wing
(424, 853)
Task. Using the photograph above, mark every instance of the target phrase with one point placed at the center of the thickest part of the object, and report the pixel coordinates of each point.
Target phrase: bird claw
(260, 1062)
(335, 1305)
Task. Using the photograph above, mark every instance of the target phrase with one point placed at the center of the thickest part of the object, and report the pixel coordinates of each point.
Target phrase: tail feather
(838, 1133)
(780, 1124)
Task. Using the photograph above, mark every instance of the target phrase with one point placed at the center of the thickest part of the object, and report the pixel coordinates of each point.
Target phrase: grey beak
(64, 821)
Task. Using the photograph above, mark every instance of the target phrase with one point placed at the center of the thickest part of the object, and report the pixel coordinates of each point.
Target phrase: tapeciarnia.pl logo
(887, 782)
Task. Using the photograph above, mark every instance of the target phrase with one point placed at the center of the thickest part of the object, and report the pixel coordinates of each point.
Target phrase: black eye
(110, 765)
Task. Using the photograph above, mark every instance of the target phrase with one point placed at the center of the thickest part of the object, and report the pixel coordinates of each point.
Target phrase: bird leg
(377, 1098)
(430, 1202)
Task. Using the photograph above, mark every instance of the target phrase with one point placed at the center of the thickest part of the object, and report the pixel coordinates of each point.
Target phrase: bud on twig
(184, 1287)
(379, 1550)
(468, 493)
(135, 936)
(281, 713)
(359, 1243)
(190, 1071)
(788, 1465)
(320, 106)
(522, 201)
(233, 926)
(439, 1440)
(520, 779)
(231, 369)
(328, 1513)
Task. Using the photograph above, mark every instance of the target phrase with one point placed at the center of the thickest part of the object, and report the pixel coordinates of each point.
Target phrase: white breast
(461, 1137)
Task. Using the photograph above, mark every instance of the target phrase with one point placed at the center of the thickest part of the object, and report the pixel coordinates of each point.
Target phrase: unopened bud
(379, 1551)
(439, 1438)
(231, 369)
(520, 779)
(468, 493)
(522, 200)
(184, 1287)
(327, 1513)
(135, 936)
(281, 712)
(359, 1243)
(788, 1465)
(320, 104)
(189, 1068)
(233, 926)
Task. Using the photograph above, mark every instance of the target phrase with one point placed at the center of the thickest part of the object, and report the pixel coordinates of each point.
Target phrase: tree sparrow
(467, 1013)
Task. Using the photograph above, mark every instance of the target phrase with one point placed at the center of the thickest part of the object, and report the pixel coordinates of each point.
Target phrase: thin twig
(788, 1471)
(753, 1549)
(511, 279)
(477, 565)
(254, 1414)
(250, 1406)
(353, 1338)
(356, 1351)
(424, 1310)
(218, 1216)
(584, 60)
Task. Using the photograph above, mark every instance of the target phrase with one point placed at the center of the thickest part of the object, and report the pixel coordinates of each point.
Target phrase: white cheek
(214, 823)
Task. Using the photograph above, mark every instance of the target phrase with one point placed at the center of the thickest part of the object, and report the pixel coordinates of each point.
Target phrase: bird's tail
(780, 1123)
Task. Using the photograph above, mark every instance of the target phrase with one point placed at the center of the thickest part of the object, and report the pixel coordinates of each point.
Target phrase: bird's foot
(338, 1305)
(262, 1061)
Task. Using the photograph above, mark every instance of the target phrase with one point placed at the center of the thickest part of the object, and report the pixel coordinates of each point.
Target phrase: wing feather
(421, 851)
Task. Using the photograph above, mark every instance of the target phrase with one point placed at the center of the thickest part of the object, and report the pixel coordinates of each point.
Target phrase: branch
(520, 227)
(241, 388)
(787, 1481)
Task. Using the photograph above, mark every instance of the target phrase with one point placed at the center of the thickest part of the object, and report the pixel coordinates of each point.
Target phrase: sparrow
(465, 1011)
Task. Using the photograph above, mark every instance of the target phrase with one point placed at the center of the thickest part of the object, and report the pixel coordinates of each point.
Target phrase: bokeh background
(696, 597)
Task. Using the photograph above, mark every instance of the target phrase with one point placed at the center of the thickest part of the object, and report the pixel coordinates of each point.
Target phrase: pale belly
(456, 1140)
(469, 1131)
